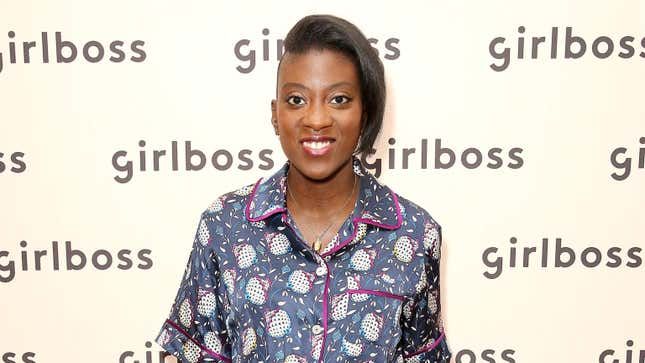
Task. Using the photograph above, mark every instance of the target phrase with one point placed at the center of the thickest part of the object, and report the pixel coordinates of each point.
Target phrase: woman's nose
(317, 116)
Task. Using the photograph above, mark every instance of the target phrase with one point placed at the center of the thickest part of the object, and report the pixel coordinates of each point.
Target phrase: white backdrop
(68, 131)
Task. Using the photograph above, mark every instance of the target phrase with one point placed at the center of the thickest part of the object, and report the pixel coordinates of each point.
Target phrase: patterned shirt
(254, 291)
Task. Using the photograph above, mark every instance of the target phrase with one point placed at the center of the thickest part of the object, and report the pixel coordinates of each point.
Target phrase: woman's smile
(317, 146)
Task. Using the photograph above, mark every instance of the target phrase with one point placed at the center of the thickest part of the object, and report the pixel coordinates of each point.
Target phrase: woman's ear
(274, 118)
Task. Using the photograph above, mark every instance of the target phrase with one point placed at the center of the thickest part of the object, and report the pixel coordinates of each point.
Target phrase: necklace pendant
(317, 245)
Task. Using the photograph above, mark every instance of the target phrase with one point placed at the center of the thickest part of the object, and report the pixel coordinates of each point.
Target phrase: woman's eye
(340, 99)
(296, 100)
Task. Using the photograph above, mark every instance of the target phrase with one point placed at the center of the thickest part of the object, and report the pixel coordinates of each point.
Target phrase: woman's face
(318, 111)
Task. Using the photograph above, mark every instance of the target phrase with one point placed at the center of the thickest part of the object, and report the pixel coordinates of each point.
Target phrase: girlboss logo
(26, 51)
(186, 157)
(245, 50)
(555, 45)
(440, 156)
(557, 255)
(70, 259)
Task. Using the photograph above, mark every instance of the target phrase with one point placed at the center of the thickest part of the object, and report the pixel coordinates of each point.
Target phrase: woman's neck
(319, 198)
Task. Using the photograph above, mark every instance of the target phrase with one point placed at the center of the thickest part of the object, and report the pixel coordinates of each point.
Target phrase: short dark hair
(333, 33)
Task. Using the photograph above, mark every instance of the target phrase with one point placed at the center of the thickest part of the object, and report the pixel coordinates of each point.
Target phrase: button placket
(321, 270)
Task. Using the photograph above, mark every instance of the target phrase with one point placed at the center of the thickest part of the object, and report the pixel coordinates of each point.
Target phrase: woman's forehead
(317, 68)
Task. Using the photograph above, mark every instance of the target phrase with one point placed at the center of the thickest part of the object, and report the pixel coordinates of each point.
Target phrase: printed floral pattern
(253, 291)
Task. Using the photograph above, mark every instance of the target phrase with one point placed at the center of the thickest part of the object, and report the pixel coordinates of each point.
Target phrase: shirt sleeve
(423, 338)
(195, 330)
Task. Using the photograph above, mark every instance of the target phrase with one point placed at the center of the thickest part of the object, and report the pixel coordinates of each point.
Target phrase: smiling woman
(318, 262)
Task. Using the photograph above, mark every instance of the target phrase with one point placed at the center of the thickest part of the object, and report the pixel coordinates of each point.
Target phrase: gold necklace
(317, 243)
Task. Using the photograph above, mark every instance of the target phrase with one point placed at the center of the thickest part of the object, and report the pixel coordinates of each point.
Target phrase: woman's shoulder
(425, 228)
(231, 202)
(416, 217)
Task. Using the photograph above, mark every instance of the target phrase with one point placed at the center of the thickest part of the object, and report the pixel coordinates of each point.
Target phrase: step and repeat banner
(520, 126)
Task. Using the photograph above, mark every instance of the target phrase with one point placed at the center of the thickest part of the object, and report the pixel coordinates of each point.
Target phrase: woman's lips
(317, 148)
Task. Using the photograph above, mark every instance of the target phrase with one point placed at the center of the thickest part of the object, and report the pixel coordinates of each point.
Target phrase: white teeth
(316, 144)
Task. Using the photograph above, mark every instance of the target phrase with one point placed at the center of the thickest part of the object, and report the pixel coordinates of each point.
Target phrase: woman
(319, 262)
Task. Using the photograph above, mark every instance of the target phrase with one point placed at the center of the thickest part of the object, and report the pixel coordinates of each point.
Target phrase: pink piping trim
(429, 347)
(248, 205)
(375, 292)
(325, 312)
(218, 356)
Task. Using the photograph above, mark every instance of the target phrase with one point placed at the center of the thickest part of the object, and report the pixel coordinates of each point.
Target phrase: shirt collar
(377, 204)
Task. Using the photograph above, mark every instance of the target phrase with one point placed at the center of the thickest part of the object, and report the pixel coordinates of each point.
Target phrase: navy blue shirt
(254, 291)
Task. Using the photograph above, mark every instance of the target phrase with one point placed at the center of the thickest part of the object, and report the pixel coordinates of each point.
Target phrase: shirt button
(316, 329)
(321, 270)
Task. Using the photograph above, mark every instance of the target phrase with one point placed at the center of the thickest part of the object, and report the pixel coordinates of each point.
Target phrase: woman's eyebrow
(338, 84)
(301, 86)
(294, 84)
